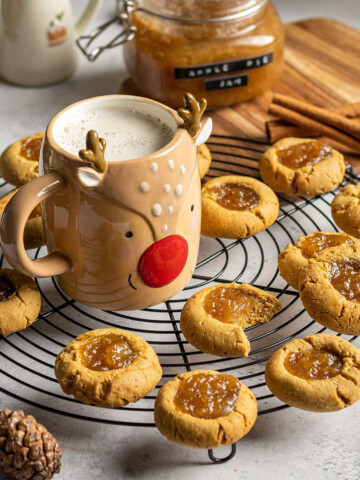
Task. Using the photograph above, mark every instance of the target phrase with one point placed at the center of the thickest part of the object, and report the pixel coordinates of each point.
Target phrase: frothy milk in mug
(129, 133)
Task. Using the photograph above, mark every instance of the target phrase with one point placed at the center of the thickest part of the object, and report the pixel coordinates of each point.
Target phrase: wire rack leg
(225, 459)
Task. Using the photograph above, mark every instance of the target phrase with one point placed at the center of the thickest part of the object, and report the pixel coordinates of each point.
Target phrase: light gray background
(289, 445)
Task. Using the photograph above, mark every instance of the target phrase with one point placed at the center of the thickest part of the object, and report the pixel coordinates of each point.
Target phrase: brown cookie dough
(19, 163)
(34, 236)
(237, 207)
(345, 209)
(205, 409)
(295, 257)
(108, 367)
(213, 320)
(320, 373)
(20, 301)
(204, 159)
(302, 166)
(329, 289)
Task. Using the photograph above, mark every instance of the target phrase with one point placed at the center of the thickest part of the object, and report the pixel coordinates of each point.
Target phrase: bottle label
(209, 69)
(231, 81)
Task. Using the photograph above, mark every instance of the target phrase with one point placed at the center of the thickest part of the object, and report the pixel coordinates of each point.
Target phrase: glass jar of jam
(228, 51)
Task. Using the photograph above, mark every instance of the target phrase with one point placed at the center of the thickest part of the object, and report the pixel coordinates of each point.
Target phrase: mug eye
(129, 234)
(192, 208)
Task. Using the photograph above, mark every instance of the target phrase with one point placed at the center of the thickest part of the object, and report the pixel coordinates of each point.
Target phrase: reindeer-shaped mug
(121, 234)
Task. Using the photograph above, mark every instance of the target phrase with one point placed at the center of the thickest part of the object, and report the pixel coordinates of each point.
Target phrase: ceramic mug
(124, 239)
(37, 40)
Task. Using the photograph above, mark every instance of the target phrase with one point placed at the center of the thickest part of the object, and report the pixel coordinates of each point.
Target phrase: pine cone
(27, 450)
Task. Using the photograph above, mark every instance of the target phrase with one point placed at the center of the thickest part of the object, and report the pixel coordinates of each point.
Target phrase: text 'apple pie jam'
(303, 154)
(30, 148)
(206, 395)
(314, 364)
(106, 352)
(227, 51)
(344, 275)
(227, 304)
(320, 241)
(234, 196)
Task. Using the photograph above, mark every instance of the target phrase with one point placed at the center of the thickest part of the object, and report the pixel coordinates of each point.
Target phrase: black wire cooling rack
(27, 357)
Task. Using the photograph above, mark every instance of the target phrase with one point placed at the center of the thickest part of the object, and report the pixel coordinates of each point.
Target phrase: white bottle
(37, 40)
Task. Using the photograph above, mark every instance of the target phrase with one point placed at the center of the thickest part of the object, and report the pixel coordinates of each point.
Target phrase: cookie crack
(18, 296)
(177, 434)
(344, 401)
(348, 377)
(221, 435)
(294, 182)
(260, 216)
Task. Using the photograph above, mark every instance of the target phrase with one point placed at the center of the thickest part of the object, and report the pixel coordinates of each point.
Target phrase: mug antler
(192, 113)
(94, 153)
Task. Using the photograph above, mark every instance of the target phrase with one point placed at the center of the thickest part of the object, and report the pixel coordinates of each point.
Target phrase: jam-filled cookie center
(107, 352)
(227, 304)
(320, 241)
(314, 364)
(206, 395)
(234, 196)
(303, 154)
(30, 148)
(344, 275)
(7, 289)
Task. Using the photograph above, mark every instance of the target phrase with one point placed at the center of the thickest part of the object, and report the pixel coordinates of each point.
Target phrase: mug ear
(204, 132)
(88, 177)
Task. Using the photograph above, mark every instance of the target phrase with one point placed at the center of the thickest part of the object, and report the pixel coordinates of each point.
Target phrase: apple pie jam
(320, 241)
(227, 304)
(106, 352)
(206, 395)
(303, 154)
(314, 364)
(344, 275)
(227, 51)
(30, 148)
(234, 196)
(7, 289)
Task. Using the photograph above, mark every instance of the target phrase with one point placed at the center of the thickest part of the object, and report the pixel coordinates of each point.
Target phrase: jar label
(231, 81)
(208, 69)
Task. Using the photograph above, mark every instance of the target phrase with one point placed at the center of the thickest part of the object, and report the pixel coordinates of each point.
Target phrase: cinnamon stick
(278, 129)
(316, 127)
(349, 110)
(327, 117)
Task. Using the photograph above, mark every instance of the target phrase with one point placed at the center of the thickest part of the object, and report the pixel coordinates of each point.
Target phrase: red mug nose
(163, 261)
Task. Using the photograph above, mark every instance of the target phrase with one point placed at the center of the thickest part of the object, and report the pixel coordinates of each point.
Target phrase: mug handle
(87, 16)
(13, 222)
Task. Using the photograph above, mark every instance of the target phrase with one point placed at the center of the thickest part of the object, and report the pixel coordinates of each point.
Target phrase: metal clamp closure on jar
(124, 10)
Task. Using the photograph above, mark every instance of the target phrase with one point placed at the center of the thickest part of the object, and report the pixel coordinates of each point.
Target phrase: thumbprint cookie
(108, 367)
(237, 207)
(320, 373)
(205, 409)
(302, 166)
(19, 163)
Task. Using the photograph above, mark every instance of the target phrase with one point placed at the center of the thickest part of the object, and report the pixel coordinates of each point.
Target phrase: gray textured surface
(290, 445)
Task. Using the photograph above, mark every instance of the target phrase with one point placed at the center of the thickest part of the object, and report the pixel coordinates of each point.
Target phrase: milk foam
(128, 133)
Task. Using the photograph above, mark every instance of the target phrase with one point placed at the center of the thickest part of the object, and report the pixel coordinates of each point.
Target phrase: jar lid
(182, 11)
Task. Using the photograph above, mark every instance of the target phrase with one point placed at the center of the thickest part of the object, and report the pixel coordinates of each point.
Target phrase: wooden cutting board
(322, 66)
